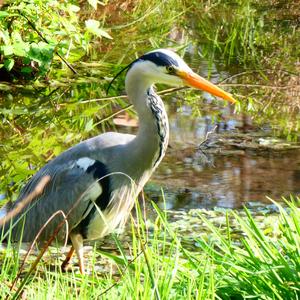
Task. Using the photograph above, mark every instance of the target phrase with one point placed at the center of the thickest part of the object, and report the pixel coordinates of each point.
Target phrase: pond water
(231, 170)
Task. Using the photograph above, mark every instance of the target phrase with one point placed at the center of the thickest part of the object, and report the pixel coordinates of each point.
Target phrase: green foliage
(245, 32)
(32, 32)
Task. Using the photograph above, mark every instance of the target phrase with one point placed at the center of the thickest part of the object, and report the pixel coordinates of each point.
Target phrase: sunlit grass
(260, 261)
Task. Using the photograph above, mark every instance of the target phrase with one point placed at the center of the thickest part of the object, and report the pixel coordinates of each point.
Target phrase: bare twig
(101, 99)
(172, 90)
(163, 92)
(206, 136)
(261, 86)
(114, 114)
(255, 71)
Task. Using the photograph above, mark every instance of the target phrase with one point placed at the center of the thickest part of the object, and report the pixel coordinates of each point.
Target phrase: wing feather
(71, 189)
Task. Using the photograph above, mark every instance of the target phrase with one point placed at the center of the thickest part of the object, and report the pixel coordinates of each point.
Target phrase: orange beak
(194, 80)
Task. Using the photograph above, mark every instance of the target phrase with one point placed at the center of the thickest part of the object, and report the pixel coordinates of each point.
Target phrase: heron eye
(170, 69)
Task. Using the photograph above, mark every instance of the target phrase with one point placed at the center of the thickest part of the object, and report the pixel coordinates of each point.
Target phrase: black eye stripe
(160, 59)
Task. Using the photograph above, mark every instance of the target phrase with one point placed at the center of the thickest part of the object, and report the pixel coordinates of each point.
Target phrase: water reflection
(225, 177)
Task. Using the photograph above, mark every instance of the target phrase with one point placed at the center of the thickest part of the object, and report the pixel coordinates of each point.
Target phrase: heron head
(165, 66)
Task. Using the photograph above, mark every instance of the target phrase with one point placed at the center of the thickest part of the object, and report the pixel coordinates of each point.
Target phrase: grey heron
(107, 172)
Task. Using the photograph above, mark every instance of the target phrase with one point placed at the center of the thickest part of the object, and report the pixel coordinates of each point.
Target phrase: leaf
(93, 27)
(20, 49)
(89, 125)
(92, 24)
(93, 3)
(9, 63)
(42, 53)
(35, 53)
(103, 33)
(7, 50)
(26, 70)
(74, 8)
(3, 14)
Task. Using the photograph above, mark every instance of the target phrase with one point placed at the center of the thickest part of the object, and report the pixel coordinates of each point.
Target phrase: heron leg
(68, 258)
(77, 244)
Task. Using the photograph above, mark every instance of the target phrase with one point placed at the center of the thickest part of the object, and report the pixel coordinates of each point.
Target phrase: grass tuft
(261, 261)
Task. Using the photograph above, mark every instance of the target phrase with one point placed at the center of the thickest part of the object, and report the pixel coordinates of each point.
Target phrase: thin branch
(255, 71)
(102, 99)
(163, 92)
(114, 114)
(173, 90)
(262, 86)
(38, 190)
(208, 133)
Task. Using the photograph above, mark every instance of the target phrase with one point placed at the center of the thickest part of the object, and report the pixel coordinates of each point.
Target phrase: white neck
(150, 144)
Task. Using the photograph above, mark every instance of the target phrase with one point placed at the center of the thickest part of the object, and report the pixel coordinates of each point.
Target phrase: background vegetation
(56, 59)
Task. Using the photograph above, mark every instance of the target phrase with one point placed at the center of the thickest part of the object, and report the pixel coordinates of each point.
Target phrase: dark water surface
(240, 164)
(232, 169)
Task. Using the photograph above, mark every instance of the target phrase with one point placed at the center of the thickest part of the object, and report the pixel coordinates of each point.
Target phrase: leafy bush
(32, 32)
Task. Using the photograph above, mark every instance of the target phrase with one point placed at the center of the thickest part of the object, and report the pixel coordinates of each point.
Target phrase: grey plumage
(69, 180)
(102, 176)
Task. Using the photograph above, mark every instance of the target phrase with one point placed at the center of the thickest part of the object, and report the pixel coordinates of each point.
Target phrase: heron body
(95, 183)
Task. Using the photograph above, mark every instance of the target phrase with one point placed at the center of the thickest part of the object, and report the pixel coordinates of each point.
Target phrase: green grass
(261, 261)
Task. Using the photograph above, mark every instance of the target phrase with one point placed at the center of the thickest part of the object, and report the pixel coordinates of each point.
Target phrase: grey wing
(73, 188)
